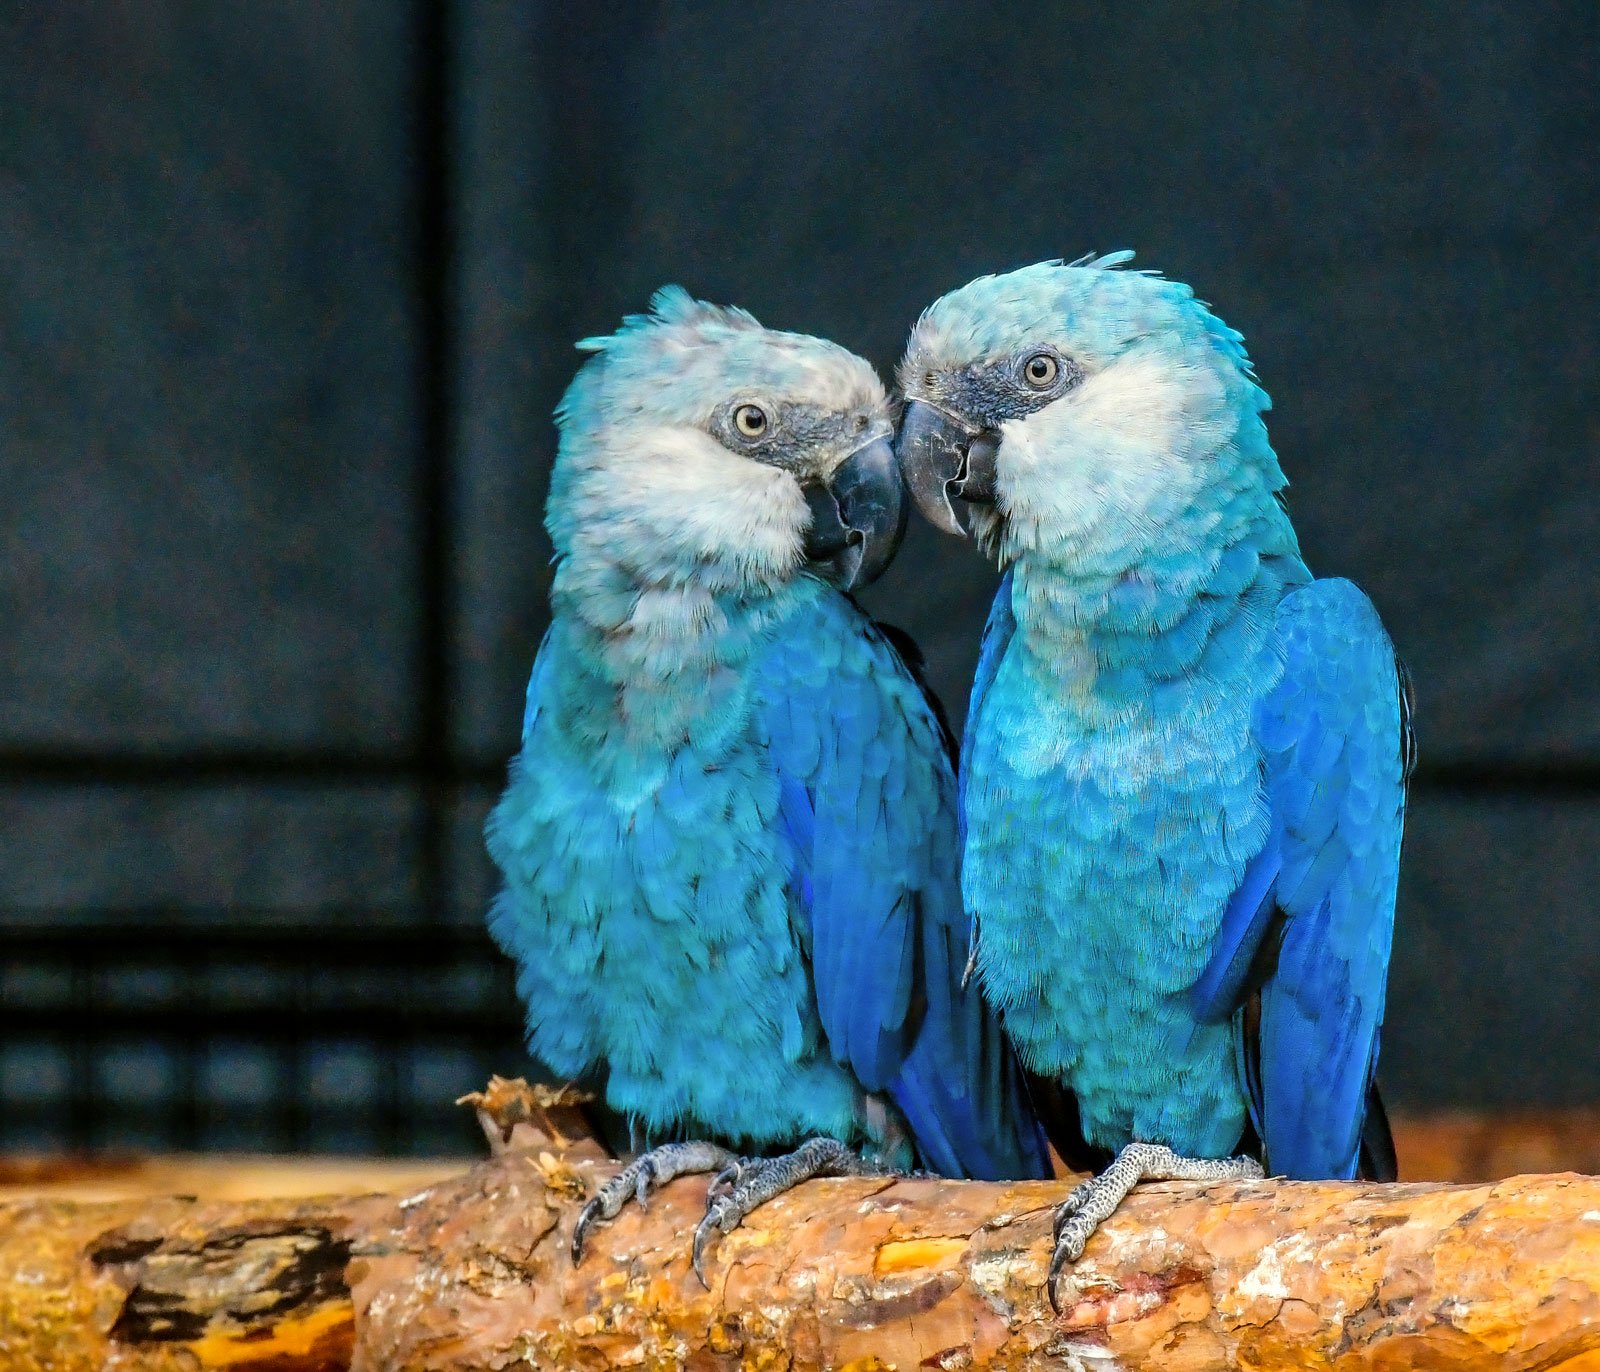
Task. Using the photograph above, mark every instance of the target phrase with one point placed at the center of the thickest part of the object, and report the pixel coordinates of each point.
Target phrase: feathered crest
(1089, 261)
(669, 306)
(1105, 261)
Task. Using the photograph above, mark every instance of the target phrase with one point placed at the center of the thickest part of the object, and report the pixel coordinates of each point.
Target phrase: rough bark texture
(473, 1272)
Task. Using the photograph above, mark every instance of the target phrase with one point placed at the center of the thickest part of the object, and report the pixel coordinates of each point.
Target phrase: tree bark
(472, 1273)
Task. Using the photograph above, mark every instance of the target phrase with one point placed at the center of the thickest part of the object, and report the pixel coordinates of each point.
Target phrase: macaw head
(1073, 406)
(699, 445)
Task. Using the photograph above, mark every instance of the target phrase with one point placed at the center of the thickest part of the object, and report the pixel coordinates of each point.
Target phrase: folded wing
(1305, 942)
(867, 798)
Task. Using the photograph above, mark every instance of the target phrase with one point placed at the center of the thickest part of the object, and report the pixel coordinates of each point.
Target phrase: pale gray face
(949, 440)
(703, 439)
(1060, 398)
(805, 437)
(987, 391)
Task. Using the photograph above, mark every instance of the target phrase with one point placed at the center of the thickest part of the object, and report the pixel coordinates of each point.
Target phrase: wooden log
(170, 1284)
(472, 1272)
(215, 1176)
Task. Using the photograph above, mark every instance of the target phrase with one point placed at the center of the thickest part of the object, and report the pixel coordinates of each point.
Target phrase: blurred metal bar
(89, 981)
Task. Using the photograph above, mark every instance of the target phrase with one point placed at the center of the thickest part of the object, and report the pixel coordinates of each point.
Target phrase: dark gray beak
(857, 519)
(943, 458)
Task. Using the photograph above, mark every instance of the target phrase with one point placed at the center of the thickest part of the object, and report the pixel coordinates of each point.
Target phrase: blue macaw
(729, 840)
(1185, 762)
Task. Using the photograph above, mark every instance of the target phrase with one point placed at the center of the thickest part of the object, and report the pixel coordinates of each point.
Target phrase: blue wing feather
(997, 632)
(867, 800)
(1335, 745)
(1245, 922)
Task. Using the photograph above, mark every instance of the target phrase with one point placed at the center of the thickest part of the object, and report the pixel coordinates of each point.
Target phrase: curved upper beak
(942, 457)
(858, 517)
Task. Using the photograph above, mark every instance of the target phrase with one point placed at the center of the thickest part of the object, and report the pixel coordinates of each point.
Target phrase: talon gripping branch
(1183, 775)
(729, 840)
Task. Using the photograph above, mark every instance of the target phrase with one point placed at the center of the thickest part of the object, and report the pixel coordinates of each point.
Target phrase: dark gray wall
(287, 294)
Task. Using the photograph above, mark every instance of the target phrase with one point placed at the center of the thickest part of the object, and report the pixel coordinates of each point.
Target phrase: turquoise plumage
(728, 840)
(1184, 766)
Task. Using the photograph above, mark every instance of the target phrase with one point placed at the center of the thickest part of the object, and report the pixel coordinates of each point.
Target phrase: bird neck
(654, 661)
(1172, 623)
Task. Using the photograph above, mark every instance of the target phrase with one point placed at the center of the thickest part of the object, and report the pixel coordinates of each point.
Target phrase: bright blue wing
(1313, 918)
(832, 742)
(1252, 911)
(867, 799)
(997, 632)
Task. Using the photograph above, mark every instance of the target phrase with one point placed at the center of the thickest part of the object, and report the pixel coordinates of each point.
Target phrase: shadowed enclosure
(287, 295)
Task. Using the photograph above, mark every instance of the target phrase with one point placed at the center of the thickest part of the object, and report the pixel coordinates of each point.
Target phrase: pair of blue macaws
(741, 878)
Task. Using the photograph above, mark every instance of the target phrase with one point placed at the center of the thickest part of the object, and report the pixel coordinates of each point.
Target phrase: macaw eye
(1040, 371)
(751, 421)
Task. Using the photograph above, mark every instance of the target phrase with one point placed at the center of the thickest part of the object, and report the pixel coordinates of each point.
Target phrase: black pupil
(1038, 369)
(754, 419)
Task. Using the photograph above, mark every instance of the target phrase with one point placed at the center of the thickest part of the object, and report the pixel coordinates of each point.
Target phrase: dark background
(287, 293)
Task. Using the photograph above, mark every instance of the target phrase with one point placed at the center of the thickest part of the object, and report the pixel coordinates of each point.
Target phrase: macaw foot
(1094, 1200)
(744, 1185)
(648, 1170)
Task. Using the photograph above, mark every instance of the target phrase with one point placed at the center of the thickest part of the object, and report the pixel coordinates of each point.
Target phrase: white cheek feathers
(672, 503)
(1114, 458)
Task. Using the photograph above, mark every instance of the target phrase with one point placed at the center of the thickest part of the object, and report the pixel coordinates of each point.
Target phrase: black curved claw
(595, 1207)
(716, 1213)
(1058, 1260)
(1075, 1201)
(726, 1179)
(580, 1231)
(646, 1173)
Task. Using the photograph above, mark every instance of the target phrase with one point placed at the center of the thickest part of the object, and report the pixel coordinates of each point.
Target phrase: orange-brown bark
(177, 1284)
(472, 1272)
